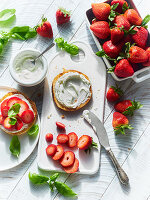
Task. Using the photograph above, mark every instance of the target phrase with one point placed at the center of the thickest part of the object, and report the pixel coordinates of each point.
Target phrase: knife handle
(120, 172)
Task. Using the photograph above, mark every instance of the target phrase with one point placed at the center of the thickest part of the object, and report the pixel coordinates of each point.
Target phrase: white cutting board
(27, 143)
(95, 69)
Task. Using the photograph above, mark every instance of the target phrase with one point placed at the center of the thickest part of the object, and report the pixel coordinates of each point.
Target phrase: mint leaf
(37, 179)
(54, 177)
(12, 120)
(64, 189)
(14, 110)
(33, 131)
(7, 15)
(15, 146)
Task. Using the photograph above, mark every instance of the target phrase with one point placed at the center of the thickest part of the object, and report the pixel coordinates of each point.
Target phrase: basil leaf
(60, 42)
(7, 15)
(14, 110)
(64, 189)
(54, 177)
(33, 131)
(31, 33)
(15, 146)
(37, 179)
(12, 121)
(145, 20)
(51, 186)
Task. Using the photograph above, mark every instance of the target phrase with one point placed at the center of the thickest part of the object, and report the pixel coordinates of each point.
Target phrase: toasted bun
(29, 125)
(53, 91)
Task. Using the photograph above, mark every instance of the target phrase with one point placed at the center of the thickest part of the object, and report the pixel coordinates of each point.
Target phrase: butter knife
(103, 139)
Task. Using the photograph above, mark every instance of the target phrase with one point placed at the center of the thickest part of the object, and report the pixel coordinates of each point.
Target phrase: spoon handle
(49, 47)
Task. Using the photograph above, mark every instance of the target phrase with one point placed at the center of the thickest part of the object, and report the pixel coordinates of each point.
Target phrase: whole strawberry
(116, 35)
(101, 29)
(114, 93)
(101, 10)
(122, 4)
(140, 37)
(133, 17)
(127, 107)
(120, 123)
(147, 63)
(123, 69)
(137, 55)
(45, 29)
(121, 21)
(62, 16)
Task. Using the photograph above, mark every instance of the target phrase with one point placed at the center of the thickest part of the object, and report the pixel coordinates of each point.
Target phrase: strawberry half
(4, 108)
(114, 93)
(44, 29)
(7, 125)
(1, 120)
(18, 124)
(73, 138)
(62, 138)
(27, 116)
(67, 159)
(59, 153)
(60, 126)
(12, 101)
(51, 150)
(62, 16)
(84, 142)
(120, 123)
(101, 10)
(49, 137)
(72, 169)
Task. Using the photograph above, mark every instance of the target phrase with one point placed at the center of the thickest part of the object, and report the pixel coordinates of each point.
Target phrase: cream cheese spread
(72, 89)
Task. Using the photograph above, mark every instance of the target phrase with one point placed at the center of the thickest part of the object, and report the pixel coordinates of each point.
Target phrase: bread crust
(54, 97)
(34, 110)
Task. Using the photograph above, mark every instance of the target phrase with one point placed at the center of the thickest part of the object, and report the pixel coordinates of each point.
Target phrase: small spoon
(49, 47)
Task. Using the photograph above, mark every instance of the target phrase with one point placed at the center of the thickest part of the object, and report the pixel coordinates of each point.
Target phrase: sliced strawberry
(4, 103)
(67, 159)
(1, 120)
(4, 111)
(59, 153)
(62, 138)
(7, 125)
(73, 138)
(12, 101)
(49, 137)
(84, 142)
(60, 125)
(27, 116)
(51, 149)
(18, 124)
(23, 106)
(74, 168)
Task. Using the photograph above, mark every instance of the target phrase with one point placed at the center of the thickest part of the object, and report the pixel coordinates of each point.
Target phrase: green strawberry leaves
(65, 12)
(130, 110)
(145, 21)
(93, 145)
(121, 129)
(113, 13)
(15, 146)
(125, 7)
(117, 89)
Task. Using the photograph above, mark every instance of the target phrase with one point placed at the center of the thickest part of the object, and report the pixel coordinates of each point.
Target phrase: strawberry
(101, 29)
(7, 125)
(147, 63)
(120, 123)
(73, 138)
(116, 35)
(133, 17)
(60, 126)
(121, 5)
(49, 137)
(137, 55)
(140, 37)
(122, 22)
(127, 107)
(12, 101)
(59, 153)
(84, 142)
(18, 124)
(114, 93)
(101, 10)
(44, 29)
(62, 138)
(62, 16)
(27, 116)
(67, 159)
(1, 120)
(112, 50)
(4, 111)
(51, 150)
(74, 168)
(123, 69)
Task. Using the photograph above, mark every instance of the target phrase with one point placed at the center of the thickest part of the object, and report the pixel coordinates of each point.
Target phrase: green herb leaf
(34, 130)
(124, 7)
(121, 129)
(14, 110)
(117, 89)
(130, 110)
(51, 186)
(145, 20)
(64, 189)
(7, 15)
(12, 120)
(100, 53)
(15, 146)
(93, 145)
(37, 179)
(54, 177)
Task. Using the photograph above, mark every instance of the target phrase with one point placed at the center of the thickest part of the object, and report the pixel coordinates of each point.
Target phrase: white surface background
(131, 150)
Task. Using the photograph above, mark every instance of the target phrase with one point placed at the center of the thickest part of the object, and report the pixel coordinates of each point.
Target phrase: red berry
(18, 124)
(49, 137)
(45, 29)
(67, 159)
(60, 125)
(74, 168)
(62, 16)
(84, 142)
(51, 149)
(59, 153)
(73, 138)
(62, 138)
(4, 111)
(114, 93)
(1, 120)
(7, 125)
(27, 116)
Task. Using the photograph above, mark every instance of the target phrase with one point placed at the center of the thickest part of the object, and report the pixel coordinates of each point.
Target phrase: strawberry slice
(67, 159)
(4, 111)
(73, 138)
(12, 101)
(84, 142)
(74, 168)
(27, 116)
(51, 149)
(60, 125)
(18, 124)
(7, 125)
(49, 137)
(62, 138)
(1, 120)
(59, 153)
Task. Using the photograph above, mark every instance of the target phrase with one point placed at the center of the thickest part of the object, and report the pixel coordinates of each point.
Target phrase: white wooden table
(132, 150)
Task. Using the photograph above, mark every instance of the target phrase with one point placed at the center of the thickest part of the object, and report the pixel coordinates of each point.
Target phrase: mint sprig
(12, 112)
(15, 146)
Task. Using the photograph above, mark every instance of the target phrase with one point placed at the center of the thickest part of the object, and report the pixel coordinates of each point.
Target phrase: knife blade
(103, 139)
